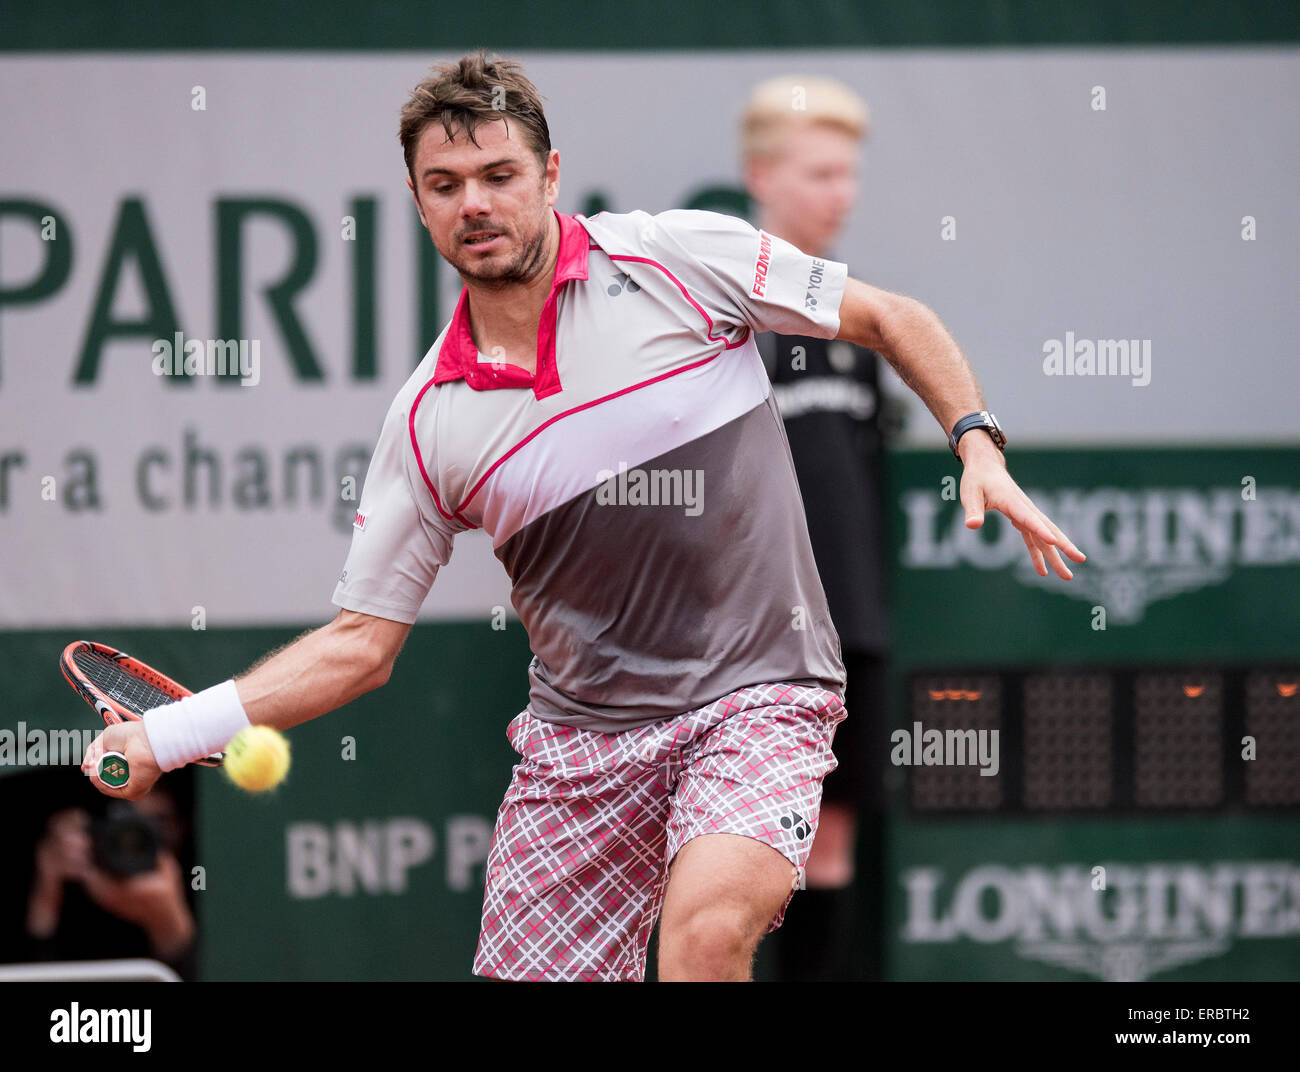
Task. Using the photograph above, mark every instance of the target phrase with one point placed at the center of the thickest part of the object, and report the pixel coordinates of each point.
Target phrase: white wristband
(196, 726)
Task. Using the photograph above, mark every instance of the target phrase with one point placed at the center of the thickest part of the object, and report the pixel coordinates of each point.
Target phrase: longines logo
(1148, 919)
(1143, 545)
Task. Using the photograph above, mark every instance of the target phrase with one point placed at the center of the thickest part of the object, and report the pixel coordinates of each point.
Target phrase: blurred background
(1052, 180)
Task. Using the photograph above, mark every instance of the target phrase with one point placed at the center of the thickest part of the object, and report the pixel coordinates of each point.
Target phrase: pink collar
(458, 357)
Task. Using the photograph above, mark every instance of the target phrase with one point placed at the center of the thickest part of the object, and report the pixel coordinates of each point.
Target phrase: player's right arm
(317, 673)
(399, 542)
(398, 545)
(321, 670)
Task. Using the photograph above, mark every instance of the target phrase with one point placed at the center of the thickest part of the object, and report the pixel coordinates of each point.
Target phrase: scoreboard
(1089, 739)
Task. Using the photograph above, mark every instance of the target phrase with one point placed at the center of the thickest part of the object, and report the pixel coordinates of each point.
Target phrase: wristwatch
(983, 419)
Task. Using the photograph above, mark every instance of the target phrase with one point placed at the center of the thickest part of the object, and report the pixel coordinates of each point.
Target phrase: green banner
(1204, 898)
(1193, 554)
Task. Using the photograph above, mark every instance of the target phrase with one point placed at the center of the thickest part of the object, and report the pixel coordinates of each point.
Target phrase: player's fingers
(972, 498)
(1045, 532)
(1028, 519)
(93, 766)
(1045, 547)
(113, 739)
(1063, 541)
(1054, 557)
(1054, 534)
(90, 760)
(1035, 555)
(119, 737)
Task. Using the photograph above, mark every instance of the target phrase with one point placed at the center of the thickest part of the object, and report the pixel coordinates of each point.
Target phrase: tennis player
(598, 407)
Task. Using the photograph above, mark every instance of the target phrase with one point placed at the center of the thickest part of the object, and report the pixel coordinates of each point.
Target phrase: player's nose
(475, 200)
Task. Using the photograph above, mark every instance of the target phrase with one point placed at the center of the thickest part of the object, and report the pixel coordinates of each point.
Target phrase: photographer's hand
(62, 855)
(153, 900)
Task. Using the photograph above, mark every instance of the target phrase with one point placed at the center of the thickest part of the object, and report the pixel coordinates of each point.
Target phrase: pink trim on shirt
(578, 409)
(456, 514)
(419, 459)
(687, 295)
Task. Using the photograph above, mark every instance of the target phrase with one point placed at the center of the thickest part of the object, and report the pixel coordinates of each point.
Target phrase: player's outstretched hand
(986, 485)
(130, 739)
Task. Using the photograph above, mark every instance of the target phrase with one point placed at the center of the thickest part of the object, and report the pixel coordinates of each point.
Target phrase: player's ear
(553, 177)
(418, 207)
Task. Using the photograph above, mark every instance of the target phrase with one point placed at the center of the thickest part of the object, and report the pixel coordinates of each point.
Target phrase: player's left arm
(927, 358)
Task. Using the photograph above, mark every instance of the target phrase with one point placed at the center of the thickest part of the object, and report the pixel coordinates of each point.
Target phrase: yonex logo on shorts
(796, 822)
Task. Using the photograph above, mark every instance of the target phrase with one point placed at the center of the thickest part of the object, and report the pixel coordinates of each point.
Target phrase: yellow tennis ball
(257, 758)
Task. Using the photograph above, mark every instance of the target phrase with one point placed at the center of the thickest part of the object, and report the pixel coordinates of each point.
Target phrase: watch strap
(982, 419)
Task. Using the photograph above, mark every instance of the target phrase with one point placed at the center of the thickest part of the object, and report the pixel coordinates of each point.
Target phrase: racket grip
(114, 770)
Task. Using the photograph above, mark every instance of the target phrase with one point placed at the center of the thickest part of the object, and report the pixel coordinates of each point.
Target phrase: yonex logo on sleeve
(762, 265)
(359, 521)
(814, 283)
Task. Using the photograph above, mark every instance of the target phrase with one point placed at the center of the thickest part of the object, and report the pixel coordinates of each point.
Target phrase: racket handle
(114, 770)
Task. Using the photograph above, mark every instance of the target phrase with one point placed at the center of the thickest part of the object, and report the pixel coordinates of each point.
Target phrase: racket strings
(119, 685)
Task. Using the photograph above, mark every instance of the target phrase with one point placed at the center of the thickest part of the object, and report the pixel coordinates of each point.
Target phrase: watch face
(996, 432)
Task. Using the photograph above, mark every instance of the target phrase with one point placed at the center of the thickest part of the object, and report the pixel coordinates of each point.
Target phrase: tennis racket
(121, 689)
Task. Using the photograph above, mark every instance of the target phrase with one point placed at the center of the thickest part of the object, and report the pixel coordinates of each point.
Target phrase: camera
(124, 842)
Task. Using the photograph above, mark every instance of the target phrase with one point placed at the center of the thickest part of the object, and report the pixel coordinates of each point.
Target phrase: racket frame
(112, 712)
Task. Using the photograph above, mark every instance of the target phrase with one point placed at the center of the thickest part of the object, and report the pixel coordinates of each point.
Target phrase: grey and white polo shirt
(638, 487)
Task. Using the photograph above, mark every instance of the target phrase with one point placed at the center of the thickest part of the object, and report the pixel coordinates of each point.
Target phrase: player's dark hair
(479, 87)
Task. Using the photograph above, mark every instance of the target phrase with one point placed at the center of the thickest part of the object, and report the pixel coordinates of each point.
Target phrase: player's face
(808, 191)
(487, 207)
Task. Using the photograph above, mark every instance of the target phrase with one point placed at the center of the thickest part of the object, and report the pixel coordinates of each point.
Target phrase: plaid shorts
(579, 860)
